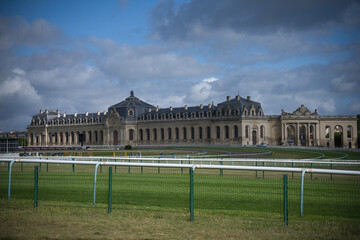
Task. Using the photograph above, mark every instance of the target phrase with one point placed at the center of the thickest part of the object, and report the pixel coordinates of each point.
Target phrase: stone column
(308, 134)
(297, 142)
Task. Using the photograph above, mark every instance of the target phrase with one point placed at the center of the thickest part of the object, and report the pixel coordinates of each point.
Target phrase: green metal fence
(245, 194)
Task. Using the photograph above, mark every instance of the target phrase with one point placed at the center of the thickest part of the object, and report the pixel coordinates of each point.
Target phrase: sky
(84, 56)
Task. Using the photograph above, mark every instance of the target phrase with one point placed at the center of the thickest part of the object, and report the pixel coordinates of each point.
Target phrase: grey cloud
(248, 16)
(16, 31)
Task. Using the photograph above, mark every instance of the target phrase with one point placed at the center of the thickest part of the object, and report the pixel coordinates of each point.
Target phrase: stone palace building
(236, 121)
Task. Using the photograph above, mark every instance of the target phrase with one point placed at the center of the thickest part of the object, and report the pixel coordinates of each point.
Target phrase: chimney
(228, 98)
(75, 114)
(98, 113)
(209, 106)
(186, 107)
(248, 98)
(41, 111)
(238, 97)
(201, 106)
(87, 114)
(64, 115)
(104, 112)
(46, 111)
(157, 109)
(171, 108)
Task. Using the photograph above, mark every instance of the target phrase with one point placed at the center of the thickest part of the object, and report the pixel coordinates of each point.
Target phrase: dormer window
(131, 113)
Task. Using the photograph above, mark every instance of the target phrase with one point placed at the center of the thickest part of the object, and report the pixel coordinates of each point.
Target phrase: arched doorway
(338, 136)
(254, 140)
(116, 138)
(290, 138)
(302, 135)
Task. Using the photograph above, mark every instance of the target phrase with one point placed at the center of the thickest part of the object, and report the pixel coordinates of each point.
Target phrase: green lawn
(238, 205)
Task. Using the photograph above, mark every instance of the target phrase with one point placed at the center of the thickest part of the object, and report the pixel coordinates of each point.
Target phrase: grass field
(237, 205)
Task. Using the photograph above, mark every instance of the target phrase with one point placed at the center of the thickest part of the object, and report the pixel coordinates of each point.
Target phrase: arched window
(67, 137)
(96, 136)
(148, 134)
(192, 133)
(262, 130)
(155, 134)
(227, 132)
(177, 133)
(208, 132)
(141, 135)
(217, 132)
(327, 131)
(169, 133)
(200, 133)
(349, 131)
(236, 131)
(184, 133)
(131, 134)
(247, 128)
(90, 137)
(162, 133)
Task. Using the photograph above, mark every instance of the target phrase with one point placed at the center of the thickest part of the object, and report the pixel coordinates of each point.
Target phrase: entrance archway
(290, 138)
(302, 135)
(116, 138)
(254, 140)
(338, 136)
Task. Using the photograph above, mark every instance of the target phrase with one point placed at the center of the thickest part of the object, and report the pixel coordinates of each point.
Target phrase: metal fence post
(110, 189)
(142, 169)
(302, 192)
(255, 171)
(73, 166)
(9, 185)
(191, 205)
(158, 167)
(94, 196)
(36, 183)
(221, 171)
(292, 173)
(182, 169)
(285, 200)
(129, 167)
(263, 171)
(115, 165)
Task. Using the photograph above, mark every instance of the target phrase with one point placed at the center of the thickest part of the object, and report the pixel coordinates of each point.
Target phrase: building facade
(237, 121)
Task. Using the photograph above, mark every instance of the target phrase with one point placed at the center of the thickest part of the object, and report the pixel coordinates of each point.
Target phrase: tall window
(262, 129)
(349, 130)
(236, 131)
(131, 135)
(155, 134)
(184, 131)
(169, 131)
(226, 132)
(192, 133)
(247, 131)
(162, 133)
(141, 135)
(200, 133)
(208, 132)
(217, 132)
(177, 133)
(148, 134)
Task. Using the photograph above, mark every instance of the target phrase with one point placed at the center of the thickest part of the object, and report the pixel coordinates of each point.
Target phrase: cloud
(16, 31)
(17, 96)
(170, 21)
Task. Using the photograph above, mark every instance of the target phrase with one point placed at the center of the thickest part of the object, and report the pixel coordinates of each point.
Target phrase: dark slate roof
(240, 103)
(131, 103)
